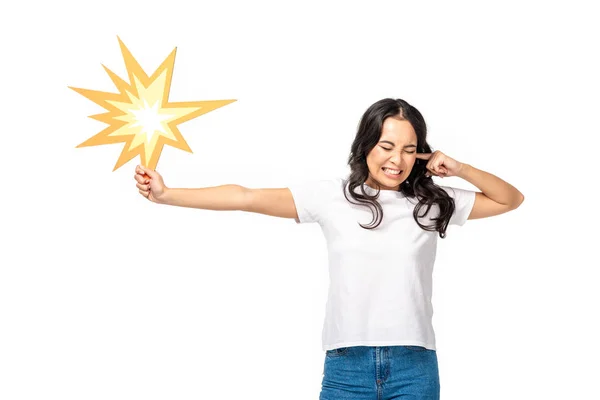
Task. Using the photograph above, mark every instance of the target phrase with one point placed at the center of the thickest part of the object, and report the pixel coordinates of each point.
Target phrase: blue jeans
(380, 373)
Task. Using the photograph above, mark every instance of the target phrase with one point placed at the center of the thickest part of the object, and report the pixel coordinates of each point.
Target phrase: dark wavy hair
(417, 185)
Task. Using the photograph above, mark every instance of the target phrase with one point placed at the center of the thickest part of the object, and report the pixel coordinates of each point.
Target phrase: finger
(439, 165)
(143, 187)
(424, 156)
(436, 163)
(431, 163)
(432, 168)
(144, 193)
(442, 168)
(140, 178)
(150, 173)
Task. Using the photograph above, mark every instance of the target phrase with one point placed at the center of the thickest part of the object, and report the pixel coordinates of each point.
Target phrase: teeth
(391, 171)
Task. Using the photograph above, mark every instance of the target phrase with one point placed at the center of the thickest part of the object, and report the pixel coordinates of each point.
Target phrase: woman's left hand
(440, 164)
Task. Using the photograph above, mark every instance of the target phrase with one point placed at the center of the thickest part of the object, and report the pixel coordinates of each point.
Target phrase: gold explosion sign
(140, 114)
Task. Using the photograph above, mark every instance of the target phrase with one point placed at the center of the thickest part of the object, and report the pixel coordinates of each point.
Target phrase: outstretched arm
(275, 202)
(221, 198)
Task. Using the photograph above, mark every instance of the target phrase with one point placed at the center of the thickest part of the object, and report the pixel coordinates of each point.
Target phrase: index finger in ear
(424, 156)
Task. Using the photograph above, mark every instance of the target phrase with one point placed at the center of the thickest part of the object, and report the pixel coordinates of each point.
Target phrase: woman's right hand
(150, 184)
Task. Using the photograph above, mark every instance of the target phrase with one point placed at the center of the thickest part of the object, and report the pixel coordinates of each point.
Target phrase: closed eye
(409, 152)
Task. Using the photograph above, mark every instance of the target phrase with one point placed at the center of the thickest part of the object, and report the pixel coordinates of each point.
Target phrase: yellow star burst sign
(141, 115)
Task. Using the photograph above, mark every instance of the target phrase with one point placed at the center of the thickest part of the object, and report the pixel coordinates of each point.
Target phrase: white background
(104, 295)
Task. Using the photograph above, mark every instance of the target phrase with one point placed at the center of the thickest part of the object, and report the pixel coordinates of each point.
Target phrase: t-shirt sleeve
(464, 200)
(311, 199)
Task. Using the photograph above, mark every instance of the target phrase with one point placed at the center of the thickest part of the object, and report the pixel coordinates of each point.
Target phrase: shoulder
(313, 197)
(464, 200)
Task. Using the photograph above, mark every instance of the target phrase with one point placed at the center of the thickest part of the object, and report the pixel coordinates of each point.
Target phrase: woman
(378, 333)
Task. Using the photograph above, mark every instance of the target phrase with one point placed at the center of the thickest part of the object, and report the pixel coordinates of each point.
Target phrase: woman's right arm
(274, 202)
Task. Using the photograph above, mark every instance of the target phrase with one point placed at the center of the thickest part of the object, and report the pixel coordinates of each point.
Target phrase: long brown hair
(417, 185)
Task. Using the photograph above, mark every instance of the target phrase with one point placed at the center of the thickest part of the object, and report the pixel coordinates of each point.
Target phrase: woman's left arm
(497, 197)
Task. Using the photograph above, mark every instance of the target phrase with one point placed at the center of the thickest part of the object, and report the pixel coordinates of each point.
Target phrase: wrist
(165, 196)
(464, 170)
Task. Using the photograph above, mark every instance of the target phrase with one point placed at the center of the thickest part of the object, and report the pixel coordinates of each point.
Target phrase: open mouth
(392, 173)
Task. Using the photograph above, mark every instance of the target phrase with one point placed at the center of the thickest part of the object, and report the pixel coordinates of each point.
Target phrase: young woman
(378, 333)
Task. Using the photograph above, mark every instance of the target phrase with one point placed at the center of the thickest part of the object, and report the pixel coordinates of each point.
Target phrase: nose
(396, 159)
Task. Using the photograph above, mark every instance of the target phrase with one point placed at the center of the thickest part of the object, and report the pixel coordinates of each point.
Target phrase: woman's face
(396, 149)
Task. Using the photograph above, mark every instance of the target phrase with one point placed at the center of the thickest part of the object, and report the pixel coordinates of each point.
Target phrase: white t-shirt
(380, 280)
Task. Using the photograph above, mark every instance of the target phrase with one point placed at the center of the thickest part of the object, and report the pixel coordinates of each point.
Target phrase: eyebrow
(408, 145)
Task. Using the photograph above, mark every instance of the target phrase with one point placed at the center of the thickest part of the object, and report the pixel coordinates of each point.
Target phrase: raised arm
(496, 197)
(274, 202)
